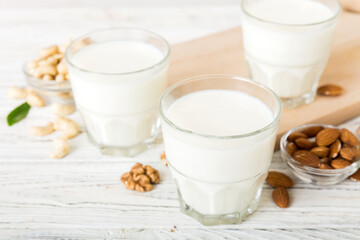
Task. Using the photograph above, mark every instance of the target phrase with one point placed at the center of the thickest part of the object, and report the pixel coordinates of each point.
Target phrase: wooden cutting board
(223, 53)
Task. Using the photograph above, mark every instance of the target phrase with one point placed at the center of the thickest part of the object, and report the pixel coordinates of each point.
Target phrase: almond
(325, 160)
(307, 158)
(349, 138)
(325, 166)
(335, 149)
(281, 197)
(291, 148)
(304, 143)
(295, 135)
(340, 163)
(330, 90)
(320, 151)
(327, 136)
(312, 131)
(278, 179)
(348, 153)
(356, 176)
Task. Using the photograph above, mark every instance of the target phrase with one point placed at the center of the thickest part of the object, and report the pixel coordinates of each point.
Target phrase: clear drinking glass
(120, 110)
(219, 179)
(288, 58)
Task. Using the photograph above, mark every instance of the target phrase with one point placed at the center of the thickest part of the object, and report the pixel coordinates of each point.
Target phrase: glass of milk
(219, 133)
(287, 44)
(117, 77)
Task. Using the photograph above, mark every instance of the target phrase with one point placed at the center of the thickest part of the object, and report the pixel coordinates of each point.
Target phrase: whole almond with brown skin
(291, 148)
(281, 197)
(356, 176)
(348, 153)
(327, 136)
(307, 158)
(325, 160)
(335, 149)
(320, 151)
(304, 143)
(349, 138)
(278, 179)
(295, 135)
(312, 131)
(340, 163)
(325, 166)
(330, 90)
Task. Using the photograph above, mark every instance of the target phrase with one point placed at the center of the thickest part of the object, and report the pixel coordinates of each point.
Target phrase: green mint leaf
(18, 114)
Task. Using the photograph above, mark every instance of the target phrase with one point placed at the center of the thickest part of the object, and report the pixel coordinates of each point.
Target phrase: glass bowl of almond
(47, 74)
(321, 154)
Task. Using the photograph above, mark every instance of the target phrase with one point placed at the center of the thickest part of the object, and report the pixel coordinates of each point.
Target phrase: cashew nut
(61, 148)
(46, 52)
(63, 47)
(62, 68)
(45, 69)
(62, 109)
(35, 100)
(16, 92)
(47, 77)
(42, 130)
(60, 78)
(69, 128)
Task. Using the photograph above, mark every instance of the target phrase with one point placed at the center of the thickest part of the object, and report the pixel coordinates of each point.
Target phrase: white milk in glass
(214, 175)
(119, 105)
(287, 44)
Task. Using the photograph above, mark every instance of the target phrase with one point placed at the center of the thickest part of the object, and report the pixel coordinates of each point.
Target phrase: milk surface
(118, 109)
(214, 175)
(283, 53)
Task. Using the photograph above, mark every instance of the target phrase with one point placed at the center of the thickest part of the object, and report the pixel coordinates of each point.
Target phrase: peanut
(42, 130)
(35, 100)
(61, 148)
(17, 93)
(46, 52)
(62, 109)
(69, 128)
(48, 77)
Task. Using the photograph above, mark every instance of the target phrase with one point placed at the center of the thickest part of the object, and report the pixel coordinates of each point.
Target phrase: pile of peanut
(50, 64)
(68, 127)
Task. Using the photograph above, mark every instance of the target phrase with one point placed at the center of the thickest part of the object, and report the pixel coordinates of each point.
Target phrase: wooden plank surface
(81, 197)
(223, 53)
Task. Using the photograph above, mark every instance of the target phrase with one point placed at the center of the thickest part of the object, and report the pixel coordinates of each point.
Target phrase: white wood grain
(81, 197)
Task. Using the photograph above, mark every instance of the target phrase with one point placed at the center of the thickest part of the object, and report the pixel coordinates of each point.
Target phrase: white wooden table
(81, 196)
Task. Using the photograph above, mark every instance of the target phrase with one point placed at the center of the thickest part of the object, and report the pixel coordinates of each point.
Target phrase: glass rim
(272, 124)
(335, 16)
(150, 33)
(324, 172)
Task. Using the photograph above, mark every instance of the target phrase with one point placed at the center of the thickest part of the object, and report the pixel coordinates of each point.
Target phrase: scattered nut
(281, 197)
(278, 179)
(356, 176)
(42, 130)
(330, 90)
(69, 128)
(163, 159)
(62, 68)
(35, 100)
(62, 109)
(61, 148)
(17, 93)
(140, 178)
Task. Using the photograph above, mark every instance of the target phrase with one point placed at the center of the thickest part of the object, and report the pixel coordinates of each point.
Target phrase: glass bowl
(315, 175)
(50, 90)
